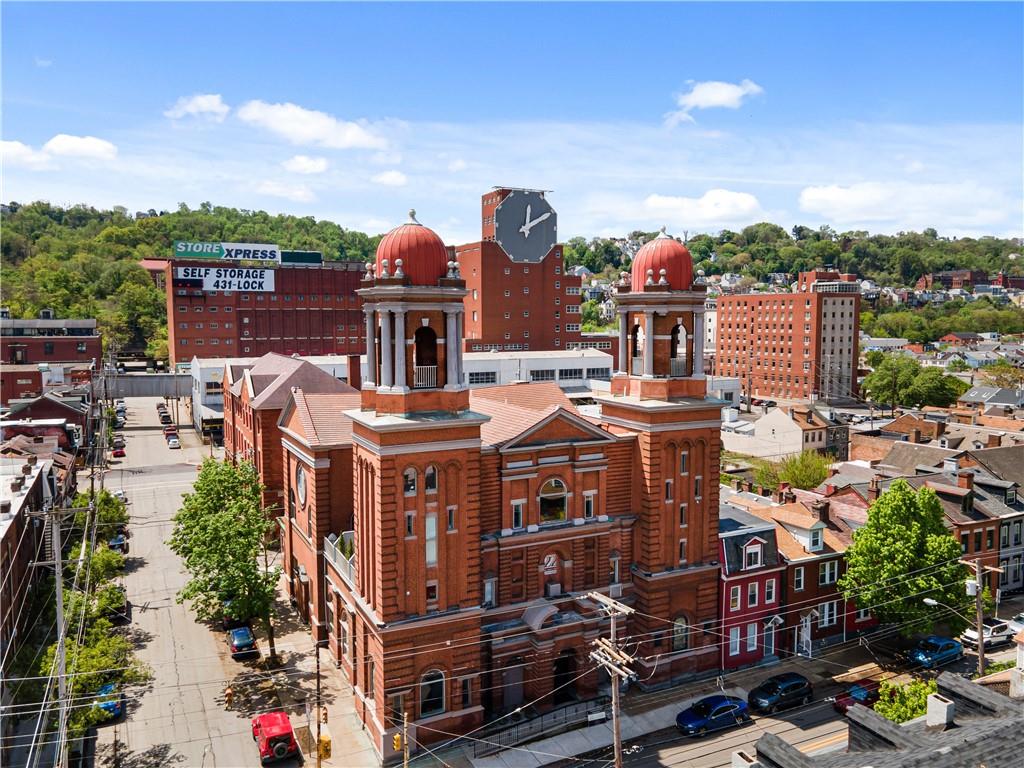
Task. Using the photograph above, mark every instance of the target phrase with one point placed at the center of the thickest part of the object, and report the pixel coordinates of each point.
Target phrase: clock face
(300, 485)
(525, 226)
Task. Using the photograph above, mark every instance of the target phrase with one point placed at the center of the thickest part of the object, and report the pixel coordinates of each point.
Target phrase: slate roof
(735, 530)
(1006, 462)
(989, 503)
(990, 395)
(905, 457)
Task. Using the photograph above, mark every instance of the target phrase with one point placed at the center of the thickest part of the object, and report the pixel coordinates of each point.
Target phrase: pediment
(560, 427)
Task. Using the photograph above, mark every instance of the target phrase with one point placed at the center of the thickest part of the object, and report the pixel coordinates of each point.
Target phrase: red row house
(751, 592)
(444, 541)
(254, 395)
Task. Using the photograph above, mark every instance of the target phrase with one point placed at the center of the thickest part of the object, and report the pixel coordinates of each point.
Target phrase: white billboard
(228, 278)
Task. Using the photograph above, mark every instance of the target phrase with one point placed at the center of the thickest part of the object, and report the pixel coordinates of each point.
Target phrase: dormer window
(1011, 495)
(815, 540)
(752, 555)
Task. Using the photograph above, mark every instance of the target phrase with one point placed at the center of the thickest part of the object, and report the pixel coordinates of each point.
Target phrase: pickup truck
(996, 631)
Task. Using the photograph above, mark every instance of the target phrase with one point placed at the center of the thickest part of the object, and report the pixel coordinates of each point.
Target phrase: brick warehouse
(312, 310)
(443, 540)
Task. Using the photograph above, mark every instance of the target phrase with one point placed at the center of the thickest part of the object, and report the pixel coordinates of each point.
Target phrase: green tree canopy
(914, 385)
(902, 555)
(901, 702)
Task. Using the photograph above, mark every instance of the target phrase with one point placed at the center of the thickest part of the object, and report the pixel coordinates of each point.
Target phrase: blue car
(713, 713)
(242, 642)
(934, 651)
(110, 701)
(119, 544)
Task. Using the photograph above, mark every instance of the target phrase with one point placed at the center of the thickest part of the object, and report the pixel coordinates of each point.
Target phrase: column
(449, 349)
(400, 375)
(649, 344)
(386, 370)
(698, 345)
(623, 343)
(371, 347)
(460, 318)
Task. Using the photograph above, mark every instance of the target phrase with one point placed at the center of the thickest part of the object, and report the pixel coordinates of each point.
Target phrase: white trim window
(517, 514)
(734, 641)
(409, 482)
(752, 594)
(798, 579)
(734, 598)
(752, 637)
(827, 613)
(828, 572)
(752, 555)
(816, 541)
(769, 591)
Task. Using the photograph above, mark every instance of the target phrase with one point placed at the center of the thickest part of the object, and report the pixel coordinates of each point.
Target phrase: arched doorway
(425, 357)
(679, 352)
(564, 677)
(637, 342)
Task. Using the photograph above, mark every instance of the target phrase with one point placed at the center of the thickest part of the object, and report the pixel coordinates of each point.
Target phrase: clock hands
(528, 225)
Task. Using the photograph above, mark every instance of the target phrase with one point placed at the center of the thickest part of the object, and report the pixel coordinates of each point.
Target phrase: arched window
(291, 503)
(552, 501)
(409, 482)
(432, 693)
(425, 347)
(430, 479)
(680, 634)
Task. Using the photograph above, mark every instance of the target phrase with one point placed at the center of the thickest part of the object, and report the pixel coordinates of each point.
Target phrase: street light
(933, 603)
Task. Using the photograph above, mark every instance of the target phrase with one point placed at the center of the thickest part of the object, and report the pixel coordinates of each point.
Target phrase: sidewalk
(295, 681)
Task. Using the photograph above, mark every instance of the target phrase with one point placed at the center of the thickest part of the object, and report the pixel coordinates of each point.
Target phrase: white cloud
(16, 154)
(308, 126)
(298, 193)
(209, 105)
(715, 208)
(386, 158)
(906, 205)
(457, 165)
(711, 94)
(305, 164)
(87, 147)
(390, 179)
(43, 63)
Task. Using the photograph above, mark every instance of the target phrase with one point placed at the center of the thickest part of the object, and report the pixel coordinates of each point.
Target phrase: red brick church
(443, 541)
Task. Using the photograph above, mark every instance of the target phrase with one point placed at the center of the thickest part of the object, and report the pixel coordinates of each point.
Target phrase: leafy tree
(221, 532)
(1002, 374)
(111, 512)
(874, 358)
(914, 385)
(957, 365)
(106, 563)
(901, 702)
(805, 470)
(902, 555)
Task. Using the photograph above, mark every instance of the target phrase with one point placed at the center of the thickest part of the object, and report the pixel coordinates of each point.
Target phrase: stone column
(450, 341)
(623, 343)
(400, 375)
(649, 344)
(460, 318)
(371, 347)
(386, 370)
(698, 345)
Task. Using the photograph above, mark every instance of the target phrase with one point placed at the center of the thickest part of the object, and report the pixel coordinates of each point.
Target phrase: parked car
(165, 418)
(170, 430)
(863, 691)
(769, 404)
(121, 496)
(995, 631)
(118, 611)
(119, 544)
(119, 453)
(272, 732)
(110, 701)
(228, 619)
(1017, 623)
(934, 651)
(712, 713)
(173, 443)
(118, 442)
(780, 692)
(242, 642)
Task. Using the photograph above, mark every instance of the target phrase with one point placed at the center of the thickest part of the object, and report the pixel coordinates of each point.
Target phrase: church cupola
(412, 298)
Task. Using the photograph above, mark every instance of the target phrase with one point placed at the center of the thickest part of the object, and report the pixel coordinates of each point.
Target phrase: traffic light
(396, 742)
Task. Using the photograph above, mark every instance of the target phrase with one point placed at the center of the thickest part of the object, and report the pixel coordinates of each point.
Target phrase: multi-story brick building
(305, 309)
(454, 586)
(519, 295)
(952, 278)
(750, 599)
(254, 394)
(47, 339)
(798, 345)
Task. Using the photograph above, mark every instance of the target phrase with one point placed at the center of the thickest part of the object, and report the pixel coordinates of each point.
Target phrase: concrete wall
(152, 385)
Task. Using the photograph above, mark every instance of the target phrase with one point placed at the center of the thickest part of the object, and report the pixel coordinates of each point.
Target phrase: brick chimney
(965, 479)
(874, 488)
(914, 435)
(994, 440)
(940, 428)
(819, 508)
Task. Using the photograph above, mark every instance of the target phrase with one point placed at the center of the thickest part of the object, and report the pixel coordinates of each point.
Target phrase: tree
(902, 555)
(221, 532)
(874, 358)
(807, 469)
(914, 386)
(901, 702)
(957, 365)
(1002, 373)
(111, 513)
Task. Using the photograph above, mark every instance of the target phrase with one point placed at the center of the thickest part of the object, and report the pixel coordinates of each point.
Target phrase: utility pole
(58, 564)
(892, 403)
(615, 661)
(979, 608)
(318, 718)
(405, 739)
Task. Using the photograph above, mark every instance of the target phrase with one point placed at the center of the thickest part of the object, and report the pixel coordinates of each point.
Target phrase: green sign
(227, 251)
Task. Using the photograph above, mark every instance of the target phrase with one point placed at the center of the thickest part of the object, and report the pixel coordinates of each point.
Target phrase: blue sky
(863, 116)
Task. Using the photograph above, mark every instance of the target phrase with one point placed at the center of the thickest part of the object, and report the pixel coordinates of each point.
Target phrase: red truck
(273, 733)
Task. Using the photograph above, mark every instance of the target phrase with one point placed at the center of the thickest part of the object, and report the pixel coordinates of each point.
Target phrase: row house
(444, 541)
(254, 394)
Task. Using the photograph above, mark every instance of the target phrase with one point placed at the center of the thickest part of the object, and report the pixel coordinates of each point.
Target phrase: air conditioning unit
(615, 590)
(553, 589)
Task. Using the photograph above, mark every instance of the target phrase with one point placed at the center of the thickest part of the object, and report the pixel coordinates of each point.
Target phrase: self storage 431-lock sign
(251, 279)
(228, 251)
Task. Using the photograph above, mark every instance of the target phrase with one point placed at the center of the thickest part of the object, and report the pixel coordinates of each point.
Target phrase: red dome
(423, 254)
(663, 252)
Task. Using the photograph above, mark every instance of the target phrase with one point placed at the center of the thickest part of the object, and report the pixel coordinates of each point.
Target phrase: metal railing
(638, 366)
(680, 366)
(563, 718)
(424, 376)
(346, 566)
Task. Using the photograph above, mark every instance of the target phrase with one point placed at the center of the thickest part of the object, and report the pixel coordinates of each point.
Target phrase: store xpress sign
(226, 278)
(227, 251)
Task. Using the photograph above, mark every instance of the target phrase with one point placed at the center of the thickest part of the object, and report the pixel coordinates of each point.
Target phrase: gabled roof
(71, 403)
(271, 378)
(1005, 462)
(736, 529)
(906, 457)
(571, 427)
(320, 416)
